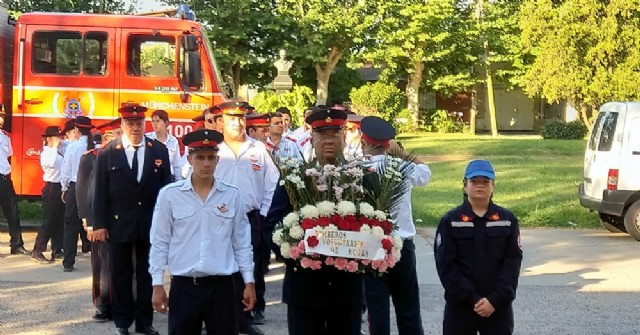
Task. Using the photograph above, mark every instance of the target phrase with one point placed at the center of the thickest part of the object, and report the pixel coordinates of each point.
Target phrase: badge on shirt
(465, 218)
(158, 162)
(494, 217)
(223, 208)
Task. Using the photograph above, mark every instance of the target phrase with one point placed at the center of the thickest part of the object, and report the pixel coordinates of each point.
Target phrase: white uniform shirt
(129, 150)
(195, 238)
(287, 148)
(6, 151)
(353, 150)
(403, 215)
(174, 153)
(253, 171)
(51, 162)
(71, 161)
(304, 141)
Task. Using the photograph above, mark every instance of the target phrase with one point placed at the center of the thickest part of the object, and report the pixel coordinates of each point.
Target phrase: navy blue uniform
(124, 207)
(478, 257)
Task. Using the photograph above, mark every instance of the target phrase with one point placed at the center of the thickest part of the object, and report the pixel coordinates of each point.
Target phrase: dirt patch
(444, 158)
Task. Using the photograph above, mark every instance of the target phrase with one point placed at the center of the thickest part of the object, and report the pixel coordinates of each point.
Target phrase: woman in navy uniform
(325, 301)
(478, 257)
(129, 173)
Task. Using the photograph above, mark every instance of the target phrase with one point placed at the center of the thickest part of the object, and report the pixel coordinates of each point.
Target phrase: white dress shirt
(71, 161)
(6, 151)
(287, 148)
(51, 162)
(174, 153)
(403, 215)
(304, 141)
(198, 238)
(129, 150)
(352, 150)
(253, 171)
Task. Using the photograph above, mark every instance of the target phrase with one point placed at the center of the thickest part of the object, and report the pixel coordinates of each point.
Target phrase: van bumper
(612, 203)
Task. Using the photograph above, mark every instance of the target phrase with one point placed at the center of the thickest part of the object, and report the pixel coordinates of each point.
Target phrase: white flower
(331, 226)
(365, 228)
(375, 231)
(296, 232)
(346, 208)
(281, 182)
(322, 187)
(291, 220)
(328, 168)
(338, 191)
(284, 249)
(396, 254)
(312, 173)
(397, 241)
(277, 237)
(309, 212)
(326, 208)
(380, 215)
(366, 210)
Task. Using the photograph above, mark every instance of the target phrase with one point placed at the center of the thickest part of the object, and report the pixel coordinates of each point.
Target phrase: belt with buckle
(206, 280)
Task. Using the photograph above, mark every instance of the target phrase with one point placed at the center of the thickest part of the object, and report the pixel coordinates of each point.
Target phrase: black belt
(5, 176)
(52, 183)
(408, 238)
(207, 280)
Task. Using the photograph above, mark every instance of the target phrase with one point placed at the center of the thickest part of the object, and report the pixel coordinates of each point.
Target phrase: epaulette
(227, 185)
(291, 139)
(94, 151)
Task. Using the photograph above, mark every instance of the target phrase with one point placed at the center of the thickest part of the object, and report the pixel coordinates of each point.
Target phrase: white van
(612, 168)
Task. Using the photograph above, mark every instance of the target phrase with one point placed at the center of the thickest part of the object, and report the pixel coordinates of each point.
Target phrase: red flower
(386, 226)
(307, 224)
(343, 224)
(323, 221)
(312, 241)
(387, 244)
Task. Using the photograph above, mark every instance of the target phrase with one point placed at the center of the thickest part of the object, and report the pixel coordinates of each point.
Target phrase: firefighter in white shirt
(200, 232)
(159, 122)
(280, 146)
(303, 137)
(401, 282)
(245, 163)
(352, 147)
(257, 126)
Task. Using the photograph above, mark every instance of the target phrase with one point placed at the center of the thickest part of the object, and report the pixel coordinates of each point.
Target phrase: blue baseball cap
(479, 168)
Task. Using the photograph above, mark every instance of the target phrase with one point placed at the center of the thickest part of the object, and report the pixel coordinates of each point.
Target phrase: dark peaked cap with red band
(202, 139)
(111, 125)
(376, 131)
(323, 117)
(132, 111)
(258, 120)
(83, 122)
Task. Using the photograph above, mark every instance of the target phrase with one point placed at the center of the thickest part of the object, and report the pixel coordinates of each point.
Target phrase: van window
(597, 125)
(69, 53)
(607, 135)
(151, 56)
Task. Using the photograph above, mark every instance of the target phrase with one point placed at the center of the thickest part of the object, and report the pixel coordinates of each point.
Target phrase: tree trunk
(413, 91)
(323, 74)
(584, 110)
(473, 112)
(490, 97)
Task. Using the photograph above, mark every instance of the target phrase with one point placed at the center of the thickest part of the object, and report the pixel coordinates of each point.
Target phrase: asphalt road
(579, 282)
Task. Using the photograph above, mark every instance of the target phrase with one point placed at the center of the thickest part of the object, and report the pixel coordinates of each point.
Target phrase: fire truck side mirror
(192, 76)
(190, 43)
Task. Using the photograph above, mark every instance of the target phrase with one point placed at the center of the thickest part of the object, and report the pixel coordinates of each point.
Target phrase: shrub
(404, 123)
(297, 100)
(442, 121)
(379, 99)
(557, 129)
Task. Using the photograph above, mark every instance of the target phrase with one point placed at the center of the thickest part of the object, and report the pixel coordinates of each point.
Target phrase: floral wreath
(340, 216)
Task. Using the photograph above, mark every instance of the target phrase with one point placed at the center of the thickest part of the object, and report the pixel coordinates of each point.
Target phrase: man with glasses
(129, 174)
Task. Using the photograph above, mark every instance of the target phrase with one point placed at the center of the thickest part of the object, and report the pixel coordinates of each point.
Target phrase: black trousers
(258, 241)
(207, 300)
(336, 320)
(101, 285)
(72, 226)
(53, 222)
(9, 204)
(401, 284)
(129, 259)
(460, 319)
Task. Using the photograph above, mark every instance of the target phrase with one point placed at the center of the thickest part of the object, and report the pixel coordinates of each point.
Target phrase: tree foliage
(379, 99)
(586, 51)
(324, 32)
(297, 100)
(73, 6)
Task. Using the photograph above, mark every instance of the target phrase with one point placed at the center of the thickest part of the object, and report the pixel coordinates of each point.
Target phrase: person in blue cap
(478, 256)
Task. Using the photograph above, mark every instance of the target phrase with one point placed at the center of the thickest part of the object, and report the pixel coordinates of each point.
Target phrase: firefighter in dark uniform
(129, 173)
(325, 301)
(478, 256)
(85, 187)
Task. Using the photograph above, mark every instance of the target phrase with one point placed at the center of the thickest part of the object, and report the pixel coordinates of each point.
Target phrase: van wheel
(612, 223)
(632, 220)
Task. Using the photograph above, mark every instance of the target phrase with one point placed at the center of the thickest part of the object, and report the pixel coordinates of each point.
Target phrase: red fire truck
(63, 65)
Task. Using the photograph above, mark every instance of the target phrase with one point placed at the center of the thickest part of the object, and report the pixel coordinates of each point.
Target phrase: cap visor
(485, 174)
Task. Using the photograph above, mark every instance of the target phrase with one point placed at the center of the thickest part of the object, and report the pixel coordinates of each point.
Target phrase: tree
(430, 43)
(74, 6)
(324, 32)
(587, 51)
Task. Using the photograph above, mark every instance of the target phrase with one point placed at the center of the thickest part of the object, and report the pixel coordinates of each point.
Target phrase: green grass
(536, 179)
(27, 210)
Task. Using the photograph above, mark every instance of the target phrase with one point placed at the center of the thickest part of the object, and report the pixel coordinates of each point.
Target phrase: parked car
(611, 184)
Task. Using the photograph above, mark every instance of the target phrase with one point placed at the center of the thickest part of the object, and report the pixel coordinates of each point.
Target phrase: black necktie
(134, 163)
